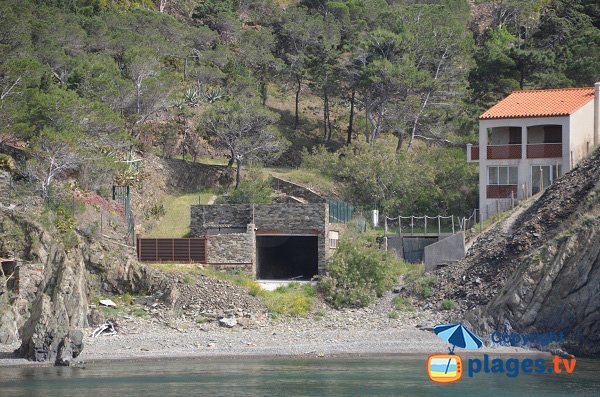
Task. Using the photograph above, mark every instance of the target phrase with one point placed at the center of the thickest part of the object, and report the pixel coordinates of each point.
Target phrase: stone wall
(293, 218)
(231, 249)
(293, 189)
(290, 217)
(186, 176)
(205, 218)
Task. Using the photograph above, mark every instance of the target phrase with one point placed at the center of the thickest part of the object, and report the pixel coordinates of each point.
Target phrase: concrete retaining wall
(293, 189)
(448, 250)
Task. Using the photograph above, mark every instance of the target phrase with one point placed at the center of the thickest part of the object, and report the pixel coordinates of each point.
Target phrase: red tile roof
(540, 103)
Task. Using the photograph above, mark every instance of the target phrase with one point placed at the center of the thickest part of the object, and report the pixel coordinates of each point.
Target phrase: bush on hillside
(358, 273)
(252, 190)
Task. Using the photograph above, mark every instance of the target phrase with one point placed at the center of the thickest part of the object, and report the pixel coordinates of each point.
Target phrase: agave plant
(179, 104)
(192, 97)
(213, 95)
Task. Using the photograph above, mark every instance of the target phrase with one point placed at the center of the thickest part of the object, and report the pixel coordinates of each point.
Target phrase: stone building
(270, 241)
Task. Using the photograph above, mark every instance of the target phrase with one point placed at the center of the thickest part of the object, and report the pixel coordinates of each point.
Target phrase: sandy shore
(360, 332)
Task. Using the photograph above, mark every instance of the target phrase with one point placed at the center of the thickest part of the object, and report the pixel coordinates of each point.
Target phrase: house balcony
(501, 191)
(504, 152)
(472, 153)
(544, 150)
(513, 151)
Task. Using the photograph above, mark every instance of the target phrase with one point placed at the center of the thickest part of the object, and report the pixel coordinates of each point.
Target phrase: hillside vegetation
(255, 81)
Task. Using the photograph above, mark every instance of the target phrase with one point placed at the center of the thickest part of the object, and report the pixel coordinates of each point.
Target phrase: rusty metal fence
(178, 250)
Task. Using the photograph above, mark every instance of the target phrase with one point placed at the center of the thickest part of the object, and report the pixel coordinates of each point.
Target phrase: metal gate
(178, 250)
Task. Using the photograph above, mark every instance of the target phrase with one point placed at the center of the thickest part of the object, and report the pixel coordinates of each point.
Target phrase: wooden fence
(179, 250)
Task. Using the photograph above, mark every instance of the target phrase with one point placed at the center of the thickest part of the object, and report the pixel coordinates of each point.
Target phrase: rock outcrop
(59, 309)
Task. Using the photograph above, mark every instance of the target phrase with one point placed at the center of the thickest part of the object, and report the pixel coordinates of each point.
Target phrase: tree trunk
(328, 121)
(367, 118)
(137, 97)
(297, 115)
(325, 125)
(400, 141)
(351, 121)
(238, 163)
(263, 92)
(231, 160)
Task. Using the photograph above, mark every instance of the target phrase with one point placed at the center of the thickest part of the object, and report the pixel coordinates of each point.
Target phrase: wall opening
(287, 257)
(414, 247)
(10, 270)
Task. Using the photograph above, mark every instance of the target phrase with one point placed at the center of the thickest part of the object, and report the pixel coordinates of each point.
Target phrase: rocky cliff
(540, 273)
(48, 306)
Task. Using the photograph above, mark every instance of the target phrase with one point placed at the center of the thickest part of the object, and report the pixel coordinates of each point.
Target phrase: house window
(502, 175)
(333, 239)
(543, 176)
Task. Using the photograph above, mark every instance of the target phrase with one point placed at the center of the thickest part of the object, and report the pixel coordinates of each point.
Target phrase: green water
(388, 376)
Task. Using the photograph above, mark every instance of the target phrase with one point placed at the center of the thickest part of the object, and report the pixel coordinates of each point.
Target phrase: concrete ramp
(445, 251)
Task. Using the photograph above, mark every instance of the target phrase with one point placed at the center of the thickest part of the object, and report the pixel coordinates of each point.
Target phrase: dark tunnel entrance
(287, 257)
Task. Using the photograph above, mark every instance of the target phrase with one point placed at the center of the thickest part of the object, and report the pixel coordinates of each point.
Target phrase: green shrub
(157, 211)
(252, 190)
(7, 162)
(63, 221)
(128, 298)
(393, 315)
(424, 286)
(359, 272)
(448, 304)
(139, 312)
(294, 300)
(400, 304)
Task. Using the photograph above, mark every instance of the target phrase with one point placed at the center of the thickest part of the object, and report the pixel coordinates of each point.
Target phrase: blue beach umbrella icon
(457, 335)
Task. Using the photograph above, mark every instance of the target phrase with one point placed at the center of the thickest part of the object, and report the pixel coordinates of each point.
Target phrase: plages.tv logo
(448, 368)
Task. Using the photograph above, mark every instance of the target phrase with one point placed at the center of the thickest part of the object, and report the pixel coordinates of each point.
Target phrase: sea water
(384, 376)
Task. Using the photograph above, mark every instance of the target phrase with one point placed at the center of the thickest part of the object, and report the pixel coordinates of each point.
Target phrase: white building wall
(582, 138)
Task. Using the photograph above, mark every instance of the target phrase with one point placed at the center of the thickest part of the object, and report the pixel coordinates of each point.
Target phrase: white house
(529, 139)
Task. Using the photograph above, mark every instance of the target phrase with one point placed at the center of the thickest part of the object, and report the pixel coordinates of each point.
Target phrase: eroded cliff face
(539, 272)
(59, 309)
(50, 305)
(556, 289)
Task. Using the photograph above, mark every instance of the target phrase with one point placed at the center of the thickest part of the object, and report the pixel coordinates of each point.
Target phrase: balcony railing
(504, 152)
(544, 150)
(513, 151)
(501, 191)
